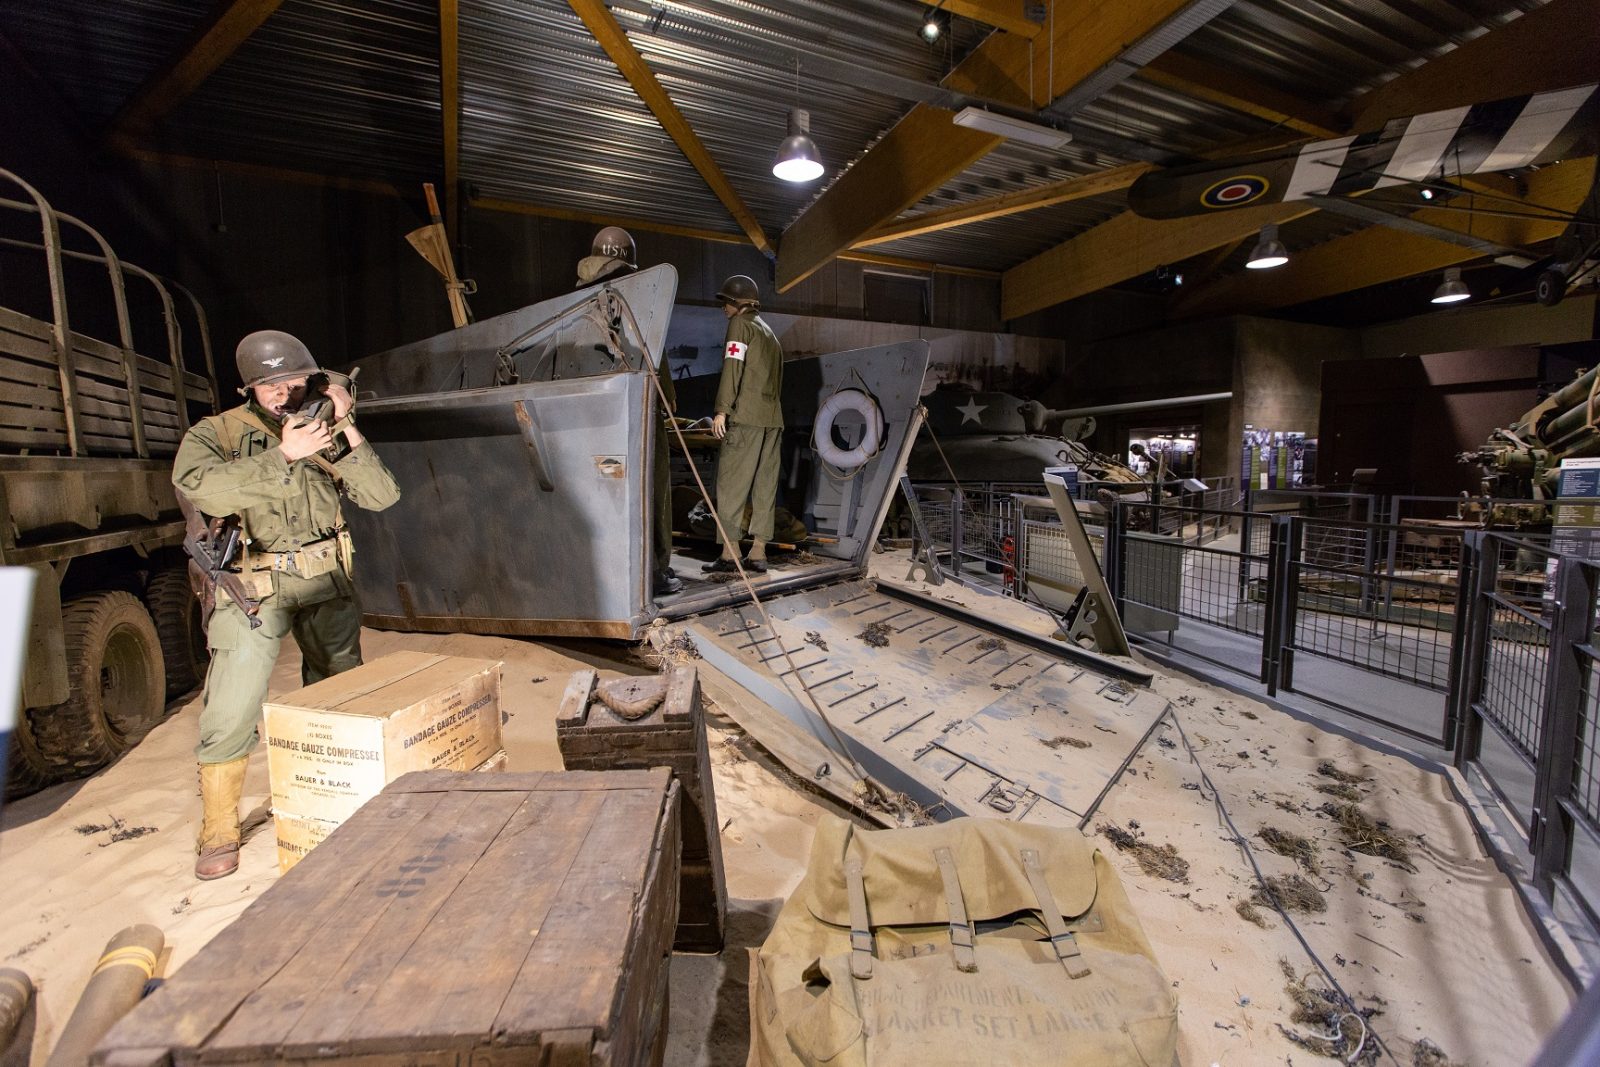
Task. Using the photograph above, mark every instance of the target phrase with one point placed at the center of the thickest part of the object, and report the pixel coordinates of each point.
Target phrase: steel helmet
(617, 243)
(739, 289)
(272, 355)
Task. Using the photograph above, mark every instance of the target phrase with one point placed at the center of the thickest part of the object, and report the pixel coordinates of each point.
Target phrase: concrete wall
(1470, 327)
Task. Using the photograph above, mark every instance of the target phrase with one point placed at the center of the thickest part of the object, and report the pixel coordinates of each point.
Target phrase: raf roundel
(1236, 191)
(736, 350)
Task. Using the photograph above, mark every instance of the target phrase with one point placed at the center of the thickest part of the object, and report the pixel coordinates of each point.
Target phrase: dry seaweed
(990, 644)
(1288, 843)
(1158, 861)
(673, 651)
(1360, 833)
(1057, 742)
(815, 639)
(1337, 1030)
(1329, 769)
(1426, 1054)
(1251, 914)
(1291, 893)
(1339, 789)
(876, 634)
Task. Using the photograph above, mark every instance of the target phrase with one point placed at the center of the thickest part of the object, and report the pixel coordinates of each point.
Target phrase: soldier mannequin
(749, 423)
(610, 256)
(255, 462)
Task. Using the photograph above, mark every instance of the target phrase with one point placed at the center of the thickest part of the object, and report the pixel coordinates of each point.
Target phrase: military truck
(88, 426)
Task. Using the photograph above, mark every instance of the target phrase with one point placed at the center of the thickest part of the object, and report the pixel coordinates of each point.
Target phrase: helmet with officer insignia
(268, 356)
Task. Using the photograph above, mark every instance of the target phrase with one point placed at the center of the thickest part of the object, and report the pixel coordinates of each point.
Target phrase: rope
(842, 751)
(1261, 879)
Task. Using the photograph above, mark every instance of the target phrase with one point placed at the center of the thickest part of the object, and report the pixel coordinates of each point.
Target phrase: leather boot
(221, 785)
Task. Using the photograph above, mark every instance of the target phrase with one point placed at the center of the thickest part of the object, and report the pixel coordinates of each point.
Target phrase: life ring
(822, 433)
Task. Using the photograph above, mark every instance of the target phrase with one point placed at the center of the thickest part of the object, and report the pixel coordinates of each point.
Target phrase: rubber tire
(112, 652)
(176, 613)
(26, 770)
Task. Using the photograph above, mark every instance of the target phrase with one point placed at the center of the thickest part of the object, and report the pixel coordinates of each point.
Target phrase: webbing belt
(860, 927)
(961, 933)
(1061, 939)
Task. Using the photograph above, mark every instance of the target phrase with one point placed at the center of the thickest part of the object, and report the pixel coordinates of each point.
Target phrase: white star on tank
(970, 412)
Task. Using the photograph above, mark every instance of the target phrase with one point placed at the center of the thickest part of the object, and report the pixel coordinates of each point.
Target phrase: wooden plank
(331, 982)
(450, 107)
(206, 991)
(528, 781)
(570, 975)
(1551, 47)
(1227, 88)
(1112, 180)
(206, 48)
(924, 150)
(603, 25)
(453, 978)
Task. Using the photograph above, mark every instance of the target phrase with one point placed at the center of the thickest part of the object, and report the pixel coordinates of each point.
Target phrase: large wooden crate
(457, 919)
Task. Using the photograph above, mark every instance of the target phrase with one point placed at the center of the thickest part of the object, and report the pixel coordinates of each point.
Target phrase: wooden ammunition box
(593, 737)
(456, 920)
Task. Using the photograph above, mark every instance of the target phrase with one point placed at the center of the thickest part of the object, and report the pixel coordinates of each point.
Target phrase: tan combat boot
(221, 785)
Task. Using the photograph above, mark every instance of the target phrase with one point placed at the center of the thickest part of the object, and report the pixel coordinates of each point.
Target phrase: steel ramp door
(522, 510)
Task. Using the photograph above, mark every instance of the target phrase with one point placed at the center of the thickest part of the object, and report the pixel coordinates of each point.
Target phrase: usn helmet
(740, 290)
(617, 243)
(272, 355)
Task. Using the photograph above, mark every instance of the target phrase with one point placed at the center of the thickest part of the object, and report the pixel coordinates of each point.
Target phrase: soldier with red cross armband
(749, 423)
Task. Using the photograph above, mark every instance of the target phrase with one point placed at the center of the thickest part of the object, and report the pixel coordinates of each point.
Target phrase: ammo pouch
(977, 941)
(333, 553)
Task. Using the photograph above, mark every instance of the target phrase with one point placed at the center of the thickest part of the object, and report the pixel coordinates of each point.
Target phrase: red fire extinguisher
(1008, 556)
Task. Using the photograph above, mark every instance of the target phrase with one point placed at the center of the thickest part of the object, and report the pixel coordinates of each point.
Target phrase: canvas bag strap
(961, 935)
(860, 928)
(248, 417)
(1061, 939)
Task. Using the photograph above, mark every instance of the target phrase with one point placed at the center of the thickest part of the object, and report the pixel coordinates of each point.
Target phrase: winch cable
(841, 750)
(1261, 880)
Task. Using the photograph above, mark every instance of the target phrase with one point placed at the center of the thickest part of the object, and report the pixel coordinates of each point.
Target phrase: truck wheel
(26, 769)
(176, 613)
(116, 682)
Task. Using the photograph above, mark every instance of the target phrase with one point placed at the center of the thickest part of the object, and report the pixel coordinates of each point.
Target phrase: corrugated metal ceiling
(351, 88)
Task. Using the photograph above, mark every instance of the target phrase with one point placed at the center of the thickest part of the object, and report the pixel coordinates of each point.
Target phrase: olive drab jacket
(226, 466)
(751, 390)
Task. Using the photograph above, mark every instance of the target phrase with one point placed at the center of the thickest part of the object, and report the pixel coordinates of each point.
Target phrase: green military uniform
(593, 269)
(230, 464)
(750, 395)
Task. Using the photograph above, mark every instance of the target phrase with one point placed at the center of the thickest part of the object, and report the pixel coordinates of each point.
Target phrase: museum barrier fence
(1524, 696)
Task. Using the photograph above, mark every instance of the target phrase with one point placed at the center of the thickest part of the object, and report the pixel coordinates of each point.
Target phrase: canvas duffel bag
(975, 941)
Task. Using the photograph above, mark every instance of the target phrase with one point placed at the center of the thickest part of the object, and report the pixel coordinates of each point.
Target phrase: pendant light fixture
(934, 24)
(1452, 290)
(1269, 251)
(798, 159)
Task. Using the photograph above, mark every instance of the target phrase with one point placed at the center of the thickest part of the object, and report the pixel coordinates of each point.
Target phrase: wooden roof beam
(925, 149)
(1200, 80)
(611, 37)
(1382, 254)
(1551, 47)
(206, 48)
(1008, 15)
(450, 108)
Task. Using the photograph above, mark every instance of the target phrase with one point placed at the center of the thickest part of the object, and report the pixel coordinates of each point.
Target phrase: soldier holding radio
(284, 476)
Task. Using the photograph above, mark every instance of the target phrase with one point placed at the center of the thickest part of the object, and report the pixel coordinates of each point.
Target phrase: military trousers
(747, 473)
(325, 619)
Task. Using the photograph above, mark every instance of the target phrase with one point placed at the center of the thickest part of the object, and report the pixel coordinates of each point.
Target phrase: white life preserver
(822, 432)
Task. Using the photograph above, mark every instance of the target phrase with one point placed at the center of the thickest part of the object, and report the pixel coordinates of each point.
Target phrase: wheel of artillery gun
(116, 682)
(176, 613)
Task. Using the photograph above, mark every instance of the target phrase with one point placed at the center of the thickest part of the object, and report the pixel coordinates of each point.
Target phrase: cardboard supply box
(298, 835)
(333, 745)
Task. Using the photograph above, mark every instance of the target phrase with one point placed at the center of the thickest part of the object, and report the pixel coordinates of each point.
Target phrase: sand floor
(1440, 946)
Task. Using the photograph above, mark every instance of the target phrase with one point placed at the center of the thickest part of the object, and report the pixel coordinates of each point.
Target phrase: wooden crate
(456, 920)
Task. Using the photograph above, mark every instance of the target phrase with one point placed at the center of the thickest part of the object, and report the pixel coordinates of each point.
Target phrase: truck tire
(116, 682)
(176, 613)
(26, 770)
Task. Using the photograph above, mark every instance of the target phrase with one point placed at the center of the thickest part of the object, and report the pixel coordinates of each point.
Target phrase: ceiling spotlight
(934, 23)
(1452, 290)
(798, 159)
(1427, 194)
(1269, 251)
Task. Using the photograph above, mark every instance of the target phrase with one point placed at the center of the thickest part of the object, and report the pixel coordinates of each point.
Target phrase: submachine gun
(1524, 460)
(213, 545)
